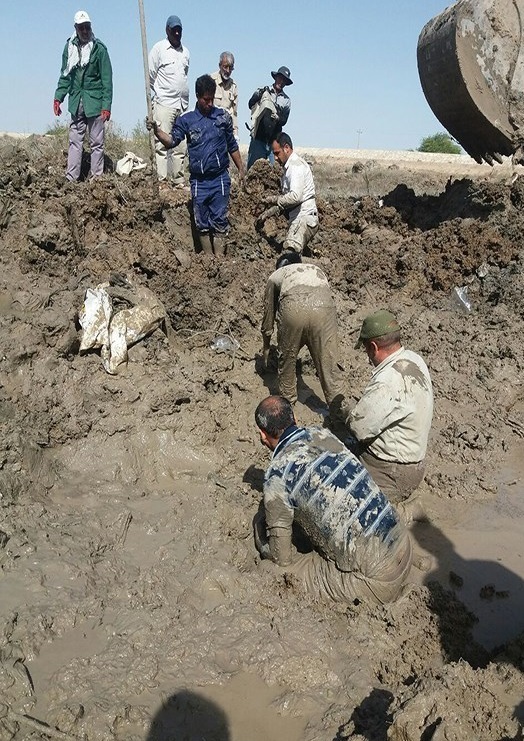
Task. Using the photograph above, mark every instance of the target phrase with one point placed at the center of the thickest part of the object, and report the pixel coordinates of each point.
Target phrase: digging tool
(470, 60)
(156, 189)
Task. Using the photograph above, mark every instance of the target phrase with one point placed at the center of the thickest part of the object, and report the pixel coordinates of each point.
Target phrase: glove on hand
(56, 108)
(271, 199)
(273, 211)
(105, 115)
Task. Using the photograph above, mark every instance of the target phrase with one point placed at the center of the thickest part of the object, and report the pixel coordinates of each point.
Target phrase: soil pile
(133, 602)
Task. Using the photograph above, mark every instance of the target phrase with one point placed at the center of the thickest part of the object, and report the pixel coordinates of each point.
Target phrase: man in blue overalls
(210, 140)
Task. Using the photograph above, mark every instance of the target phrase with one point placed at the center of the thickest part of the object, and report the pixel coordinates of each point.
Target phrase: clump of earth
(134, 605)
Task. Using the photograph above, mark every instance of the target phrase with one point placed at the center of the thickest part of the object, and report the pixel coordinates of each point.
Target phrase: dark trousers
(210, 202)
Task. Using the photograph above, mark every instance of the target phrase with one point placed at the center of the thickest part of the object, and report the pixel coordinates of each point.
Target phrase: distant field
(331, 164)
(453, 163)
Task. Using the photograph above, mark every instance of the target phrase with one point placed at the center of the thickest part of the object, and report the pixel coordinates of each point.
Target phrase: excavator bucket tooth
(471, 67)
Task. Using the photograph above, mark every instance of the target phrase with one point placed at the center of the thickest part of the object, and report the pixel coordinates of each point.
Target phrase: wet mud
(133, 605)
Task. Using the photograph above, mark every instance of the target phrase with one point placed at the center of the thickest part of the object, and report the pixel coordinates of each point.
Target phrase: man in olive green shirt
(87, 78)
(226, 95)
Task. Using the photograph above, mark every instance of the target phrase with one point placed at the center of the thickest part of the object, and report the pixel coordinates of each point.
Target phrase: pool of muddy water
(243, 708)
(477, 551)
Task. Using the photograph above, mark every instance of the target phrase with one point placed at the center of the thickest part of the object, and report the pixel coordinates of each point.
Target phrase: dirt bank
(133, 606)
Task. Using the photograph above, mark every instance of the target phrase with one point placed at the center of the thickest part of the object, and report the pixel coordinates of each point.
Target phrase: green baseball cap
(377, 325)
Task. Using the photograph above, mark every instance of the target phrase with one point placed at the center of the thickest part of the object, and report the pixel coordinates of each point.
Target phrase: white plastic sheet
(128, 163)
(114, 331)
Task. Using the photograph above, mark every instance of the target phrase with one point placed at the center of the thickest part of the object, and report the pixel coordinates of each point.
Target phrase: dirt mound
(128, 571)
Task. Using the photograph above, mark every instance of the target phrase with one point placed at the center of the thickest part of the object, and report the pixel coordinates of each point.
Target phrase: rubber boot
(219, 245)
(205, 243)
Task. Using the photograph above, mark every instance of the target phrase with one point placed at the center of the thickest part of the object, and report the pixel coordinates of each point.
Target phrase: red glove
(106, 115)
(56, 108)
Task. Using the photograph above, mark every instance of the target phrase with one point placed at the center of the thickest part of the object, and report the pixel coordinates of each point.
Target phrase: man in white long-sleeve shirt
(298, 196)
(168, 69)
(392, 420)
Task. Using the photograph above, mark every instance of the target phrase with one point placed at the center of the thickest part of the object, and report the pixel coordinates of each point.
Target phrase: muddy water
(158, 615)
(477, 551)
(147, 555)
(243, 708)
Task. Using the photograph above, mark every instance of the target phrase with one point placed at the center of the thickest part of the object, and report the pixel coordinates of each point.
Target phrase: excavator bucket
(471, 67)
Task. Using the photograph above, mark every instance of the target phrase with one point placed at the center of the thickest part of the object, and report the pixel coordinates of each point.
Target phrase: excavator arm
(471, 67)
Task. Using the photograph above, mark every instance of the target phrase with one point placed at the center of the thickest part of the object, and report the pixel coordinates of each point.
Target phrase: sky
(353, 64)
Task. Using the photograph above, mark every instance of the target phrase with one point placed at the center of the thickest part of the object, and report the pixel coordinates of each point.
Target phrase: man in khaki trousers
(298, 297)
(168, 69)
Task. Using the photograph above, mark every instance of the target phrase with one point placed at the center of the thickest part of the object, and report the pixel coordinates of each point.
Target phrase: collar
(169, 45)
(292, 156)
(387, 361)
(212, 112)
(274, 92)
(76, 41)
(290, 433)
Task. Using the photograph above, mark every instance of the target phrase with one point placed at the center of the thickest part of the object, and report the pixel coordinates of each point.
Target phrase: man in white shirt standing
(298, 196)
(392, 420)
(226, 96)
(168, 68)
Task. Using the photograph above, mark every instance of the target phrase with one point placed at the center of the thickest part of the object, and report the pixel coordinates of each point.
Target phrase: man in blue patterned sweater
(362, 551)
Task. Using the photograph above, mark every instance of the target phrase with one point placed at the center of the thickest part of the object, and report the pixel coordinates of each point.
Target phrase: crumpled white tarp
(114, 331)
(128, 163)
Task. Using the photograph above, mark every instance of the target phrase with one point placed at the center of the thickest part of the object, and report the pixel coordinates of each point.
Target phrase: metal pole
(156, 189)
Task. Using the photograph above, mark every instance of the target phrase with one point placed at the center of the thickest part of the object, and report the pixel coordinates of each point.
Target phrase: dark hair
(284, 139)
(386, 341)
(288, 258)
(273, 415)
(205, 84)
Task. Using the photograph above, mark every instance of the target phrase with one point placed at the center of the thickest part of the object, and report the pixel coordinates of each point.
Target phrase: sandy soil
(133, 604)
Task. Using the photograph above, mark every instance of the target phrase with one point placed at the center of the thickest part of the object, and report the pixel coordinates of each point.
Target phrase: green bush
(139, 140)
(440, 142)
(58, 129)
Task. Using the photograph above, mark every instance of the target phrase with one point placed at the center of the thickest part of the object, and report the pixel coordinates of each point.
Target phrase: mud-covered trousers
(80, 123)
(396, 480)
(308, 319)
(380, 578)
(380, 572)
(299, 234)
(210, 202)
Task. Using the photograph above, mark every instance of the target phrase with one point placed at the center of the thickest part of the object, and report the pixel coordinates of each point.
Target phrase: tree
(440, 142)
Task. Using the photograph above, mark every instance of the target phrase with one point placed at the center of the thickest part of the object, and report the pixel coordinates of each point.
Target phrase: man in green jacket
(87, 78)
